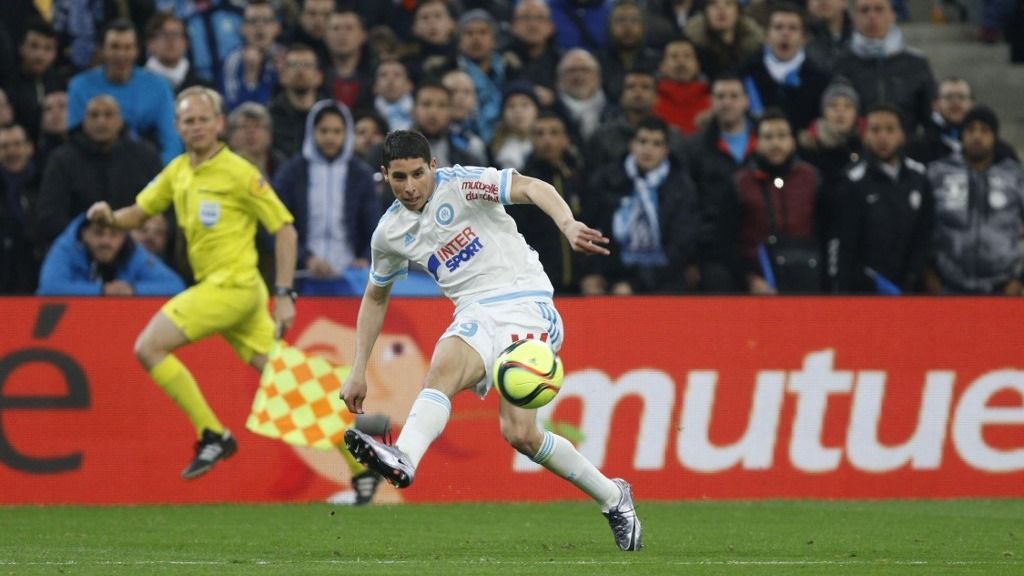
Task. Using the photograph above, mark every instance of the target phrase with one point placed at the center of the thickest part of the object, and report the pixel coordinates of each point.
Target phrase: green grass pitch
(563, 539)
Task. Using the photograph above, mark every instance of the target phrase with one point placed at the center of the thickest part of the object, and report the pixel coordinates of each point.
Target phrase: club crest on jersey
(445, 214)
(457, 251)
(476, 190)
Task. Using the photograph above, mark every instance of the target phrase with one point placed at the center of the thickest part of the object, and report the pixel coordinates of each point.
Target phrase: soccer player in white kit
(452, 222)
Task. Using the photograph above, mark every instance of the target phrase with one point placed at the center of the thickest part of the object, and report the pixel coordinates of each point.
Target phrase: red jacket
(794, 204)
(679, 103)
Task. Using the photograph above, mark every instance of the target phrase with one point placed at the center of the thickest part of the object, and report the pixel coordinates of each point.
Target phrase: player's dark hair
(403, 144)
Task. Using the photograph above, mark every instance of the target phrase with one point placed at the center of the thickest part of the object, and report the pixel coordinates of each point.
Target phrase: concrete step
(952, 51)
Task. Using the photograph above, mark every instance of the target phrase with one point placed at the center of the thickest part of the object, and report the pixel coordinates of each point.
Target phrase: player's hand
(284, 315)
(353, 392)
(117, 288)
(319, 268)
(584, 239)
(100, 213)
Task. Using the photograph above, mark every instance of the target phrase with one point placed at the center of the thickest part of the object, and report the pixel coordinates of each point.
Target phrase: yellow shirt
(217, 205)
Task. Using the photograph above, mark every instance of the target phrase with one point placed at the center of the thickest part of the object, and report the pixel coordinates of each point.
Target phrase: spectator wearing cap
(512, 141)
(832, 143)
(35, 75)
(393, 94)
(941, 135)
(627, 48)
(144, 99)
(532, 43)
(478, 57)
(99, 162)
(89, 259)
(781, 76)
(167, 50)
(683, 91)
(883, 69)
(979, 201)
(724, 35)
(829, 30)
(883, 228)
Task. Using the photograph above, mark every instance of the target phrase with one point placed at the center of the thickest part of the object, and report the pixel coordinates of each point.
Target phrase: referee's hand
(284, 315)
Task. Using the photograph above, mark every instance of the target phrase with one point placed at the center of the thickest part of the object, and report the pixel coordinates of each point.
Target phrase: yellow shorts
(238, 313)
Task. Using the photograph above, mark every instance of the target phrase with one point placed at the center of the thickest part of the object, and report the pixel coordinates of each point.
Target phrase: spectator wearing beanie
(979, 214)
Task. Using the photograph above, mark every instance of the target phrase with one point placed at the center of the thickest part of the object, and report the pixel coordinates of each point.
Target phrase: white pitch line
(485, 561)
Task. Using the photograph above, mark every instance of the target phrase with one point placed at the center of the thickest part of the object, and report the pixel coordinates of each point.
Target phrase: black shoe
(388, 461)
(209, 449)
(365, 486)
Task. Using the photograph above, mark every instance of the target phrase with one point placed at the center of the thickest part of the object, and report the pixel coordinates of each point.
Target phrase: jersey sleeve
(386, 265)
(157, 195)
(265, 204)
(485, 186)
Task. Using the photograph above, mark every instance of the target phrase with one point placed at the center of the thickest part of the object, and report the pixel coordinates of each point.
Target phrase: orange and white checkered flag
(298, 400)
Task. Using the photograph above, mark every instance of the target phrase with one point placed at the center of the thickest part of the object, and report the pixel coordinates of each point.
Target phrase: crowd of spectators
(765, 146)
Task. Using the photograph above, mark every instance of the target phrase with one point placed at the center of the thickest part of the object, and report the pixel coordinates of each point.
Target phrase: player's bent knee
(524, 437)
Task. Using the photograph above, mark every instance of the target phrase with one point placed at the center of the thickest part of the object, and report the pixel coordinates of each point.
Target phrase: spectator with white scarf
(781, 76)
(393, 94)
(648, 203)
(580, 98)
(330, 192)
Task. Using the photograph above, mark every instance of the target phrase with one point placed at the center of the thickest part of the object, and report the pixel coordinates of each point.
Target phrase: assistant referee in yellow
(218, 198)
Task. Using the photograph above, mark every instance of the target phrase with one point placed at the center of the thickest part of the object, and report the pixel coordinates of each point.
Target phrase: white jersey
(464, 238)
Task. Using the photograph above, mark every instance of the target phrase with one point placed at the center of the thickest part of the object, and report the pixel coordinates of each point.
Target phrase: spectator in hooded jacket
(91, 259)
(979, 206)
(330, 192)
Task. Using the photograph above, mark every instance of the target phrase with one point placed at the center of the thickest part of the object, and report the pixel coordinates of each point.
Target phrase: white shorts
(490, 328)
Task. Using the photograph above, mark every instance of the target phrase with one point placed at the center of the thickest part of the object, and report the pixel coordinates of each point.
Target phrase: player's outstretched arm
(127, 218)
(582, 238)
(368, 325)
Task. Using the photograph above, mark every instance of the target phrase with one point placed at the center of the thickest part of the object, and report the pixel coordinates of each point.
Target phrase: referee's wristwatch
(286, 291)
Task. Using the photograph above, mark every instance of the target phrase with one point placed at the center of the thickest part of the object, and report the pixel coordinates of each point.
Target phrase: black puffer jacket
(79, 173)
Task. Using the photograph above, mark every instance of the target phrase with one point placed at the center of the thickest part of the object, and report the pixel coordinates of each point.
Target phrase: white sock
(427, 418)
(561, 457)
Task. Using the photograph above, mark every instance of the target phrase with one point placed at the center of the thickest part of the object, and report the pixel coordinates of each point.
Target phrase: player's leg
(615, 497)
(455, 366)
(154, 349)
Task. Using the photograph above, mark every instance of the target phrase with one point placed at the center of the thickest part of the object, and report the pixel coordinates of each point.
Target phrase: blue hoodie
(68, 269)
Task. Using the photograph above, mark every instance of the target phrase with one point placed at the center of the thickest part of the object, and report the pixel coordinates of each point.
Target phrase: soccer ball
(528, 373)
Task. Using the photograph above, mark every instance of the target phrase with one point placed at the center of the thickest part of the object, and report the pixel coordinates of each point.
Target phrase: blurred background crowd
(724, 146)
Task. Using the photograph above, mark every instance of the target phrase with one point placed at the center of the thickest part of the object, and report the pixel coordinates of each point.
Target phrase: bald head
(579, 74)
(103, 122)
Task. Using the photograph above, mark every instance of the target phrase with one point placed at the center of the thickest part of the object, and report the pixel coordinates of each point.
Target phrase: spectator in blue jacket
(330, 192)
(145, 99)
(93, 260)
